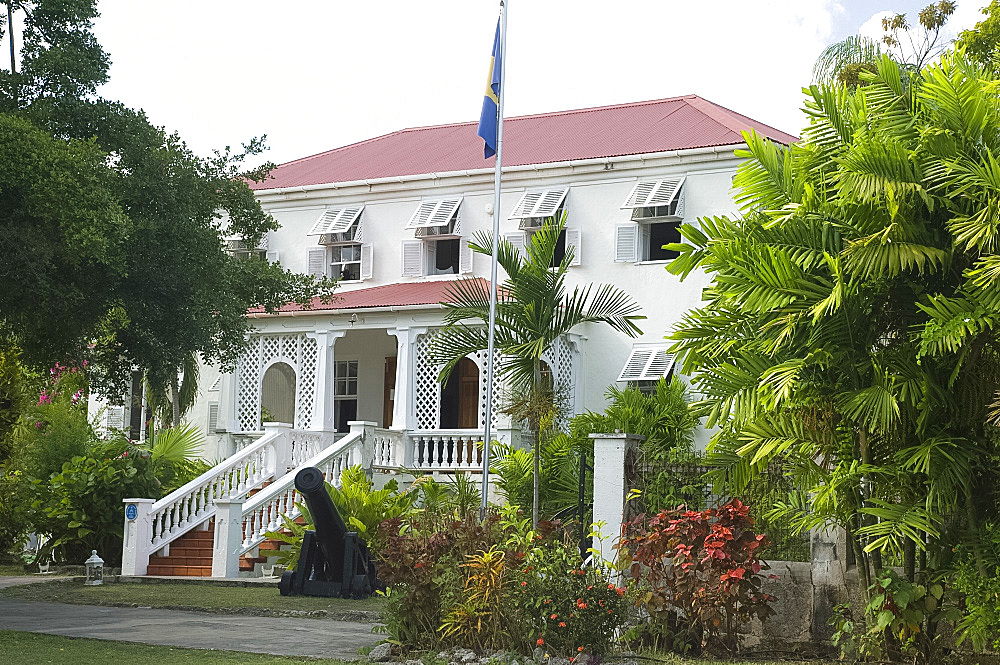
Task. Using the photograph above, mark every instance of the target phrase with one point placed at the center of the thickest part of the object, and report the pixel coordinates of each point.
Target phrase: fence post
(138, 536)
(367, 430)
(228, 539)
(282, 447)
(611, 453)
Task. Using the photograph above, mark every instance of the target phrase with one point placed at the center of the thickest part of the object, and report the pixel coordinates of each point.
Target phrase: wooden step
(188, 551)
(270, 544)
(180, 571)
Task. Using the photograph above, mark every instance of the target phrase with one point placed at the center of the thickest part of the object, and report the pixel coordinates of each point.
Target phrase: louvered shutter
(650, 193)
(573, 239)
(549, 203)
(626, 237)
(518, 241)
(114, 418)
(413, 258)
(465, 254)
(525, 205)
(317, 262)
(213, 418)
(272, 257)
(647, 363)
(635, 365)
(367, 260)
(430, 258)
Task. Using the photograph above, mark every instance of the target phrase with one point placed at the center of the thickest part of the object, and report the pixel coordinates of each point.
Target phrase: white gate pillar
(322, 420)
(138, 536)
(228, 538)
(610, 489)
(403, 417)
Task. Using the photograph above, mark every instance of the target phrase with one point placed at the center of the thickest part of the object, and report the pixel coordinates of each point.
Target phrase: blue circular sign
(131, 511)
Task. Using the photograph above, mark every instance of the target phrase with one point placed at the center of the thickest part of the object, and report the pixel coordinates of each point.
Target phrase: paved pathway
(29, 579)
(320, 638)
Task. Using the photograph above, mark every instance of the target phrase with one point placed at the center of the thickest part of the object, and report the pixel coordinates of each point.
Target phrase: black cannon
(333, 560)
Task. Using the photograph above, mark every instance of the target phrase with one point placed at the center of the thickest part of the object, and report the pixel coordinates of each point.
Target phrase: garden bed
(205, 597)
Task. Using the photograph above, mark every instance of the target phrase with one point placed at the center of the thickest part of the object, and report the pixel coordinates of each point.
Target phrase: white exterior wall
(597, 190)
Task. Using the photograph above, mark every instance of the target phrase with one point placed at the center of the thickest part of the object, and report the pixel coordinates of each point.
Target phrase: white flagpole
(491, 331)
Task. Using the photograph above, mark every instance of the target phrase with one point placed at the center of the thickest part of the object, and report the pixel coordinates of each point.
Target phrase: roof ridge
(724, 116)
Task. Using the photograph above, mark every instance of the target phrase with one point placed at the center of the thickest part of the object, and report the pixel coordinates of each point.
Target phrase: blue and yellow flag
(488, 118)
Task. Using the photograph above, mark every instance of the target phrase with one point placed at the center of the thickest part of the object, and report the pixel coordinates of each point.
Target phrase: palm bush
(534, 309)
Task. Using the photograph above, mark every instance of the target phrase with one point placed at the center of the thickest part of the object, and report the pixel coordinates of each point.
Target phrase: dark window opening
(460, 397)
(446, 257)
(344, 411)
(560, 253)
(661, 234)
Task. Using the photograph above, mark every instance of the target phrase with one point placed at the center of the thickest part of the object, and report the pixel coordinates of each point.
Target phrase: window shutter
(359, 231)
(114, 418)
(465, 254)
(213, 418)
(317, 262)
(626, 236)
(518, 241)
(430, 258)
(367, 259)
(573, 238)
(413, 256)
(272, 257)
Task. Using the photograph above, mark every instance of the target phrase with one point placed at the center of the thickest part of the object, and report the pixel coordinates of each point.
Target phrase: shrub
(699, 570)
(81, 506)
(496, 585)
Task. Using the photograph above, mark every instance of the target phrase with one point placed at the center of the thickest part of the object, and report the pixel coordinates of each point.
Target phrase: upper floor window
(342, 253)
(438, 247)
(536, 209)
(657, 212)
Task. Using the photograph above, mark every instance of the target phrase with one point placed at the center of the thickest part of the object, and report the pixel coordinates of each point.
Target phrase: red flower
(539, 642)
(524, 584)
(579, 649)
(562, 624)
(418, 564)
(554, 616)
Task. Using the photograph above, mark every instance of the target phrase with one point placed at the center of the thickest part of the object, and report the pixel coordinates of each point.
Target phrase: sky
(315, 75)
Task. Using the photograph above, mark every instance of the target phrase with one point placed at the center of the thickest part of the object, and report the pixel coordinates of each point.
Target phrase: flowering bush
(496, 584)
(699, 567)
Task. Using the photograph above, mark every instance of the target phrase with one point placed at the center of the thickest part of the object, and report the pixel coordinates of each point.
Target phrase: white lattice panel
(427, 391)
(561, 357)
(497, 388)
(305, 386)
(300, 352)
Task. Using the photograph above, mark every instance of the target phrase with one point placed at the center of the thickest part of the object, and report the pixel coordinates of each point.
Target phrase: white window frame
(320, 261)
(344, 378)
(419, 257)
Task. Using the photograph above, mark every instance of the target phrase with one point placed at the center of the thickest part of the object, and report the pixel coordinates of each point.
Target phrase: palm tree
(171, 396)
(843, 60)
(534, 309)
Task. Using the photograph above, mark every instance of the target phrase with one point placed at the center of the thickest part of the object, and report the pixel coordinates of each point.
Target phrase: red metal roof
(661, 125)
(405, 294)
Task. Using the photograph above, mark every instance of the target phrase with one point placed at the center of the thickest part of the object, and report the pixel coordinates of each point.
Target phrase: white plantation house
(391, 217)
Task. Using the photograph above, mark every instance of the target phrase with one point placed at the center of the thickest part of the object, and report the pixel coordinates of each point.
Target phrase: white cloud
(872, 28)
(314, 75)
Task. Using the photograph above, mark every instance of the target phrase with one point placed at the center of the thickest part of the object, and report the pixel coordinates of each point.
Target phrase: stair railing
(240, 527)
(152, 525)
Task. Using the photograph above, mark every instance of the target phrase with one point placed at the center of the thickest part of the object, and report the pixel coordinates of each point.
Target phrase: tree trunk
(910, 560)
(175, 403)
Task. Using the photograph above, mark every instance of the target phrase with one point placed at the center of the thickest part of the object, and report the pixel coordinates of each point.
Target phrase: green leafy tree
(112, 226)
(534, 309)
(848, 333)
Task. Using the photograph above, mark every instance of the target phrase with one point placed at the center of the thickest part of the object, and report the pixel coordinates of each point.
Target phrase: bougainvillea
(699, 567)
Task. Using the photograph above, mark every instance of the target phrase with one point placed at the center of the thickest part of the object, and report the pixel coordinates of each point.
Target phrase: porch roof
(400, 295)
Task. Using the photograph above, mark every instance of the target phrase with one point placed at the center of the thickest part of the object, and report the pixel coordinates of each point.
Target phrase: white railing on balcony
(388, 450)
(450, 450)
(263, 511)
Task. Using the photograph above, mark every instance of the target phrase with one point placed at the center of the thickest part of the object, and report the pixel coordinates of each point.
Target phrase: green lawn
(36, 649)
(13, 570)
(249, 600)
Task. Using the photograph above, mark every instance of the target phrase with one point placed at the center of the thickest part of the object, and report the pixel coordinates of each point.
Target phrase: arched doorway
(460, 397)
(277, 394)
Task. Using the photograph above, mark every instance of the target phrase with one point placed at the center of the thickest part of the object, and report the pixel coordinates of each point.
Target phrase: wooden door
(389, 391)
(468, 394)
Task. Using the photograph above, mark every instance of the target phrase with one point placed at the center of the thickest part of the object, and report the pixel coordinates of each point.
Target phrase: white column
(322, 420)
(138, 536)
(610, 452)
(403, 417)
(228, 539)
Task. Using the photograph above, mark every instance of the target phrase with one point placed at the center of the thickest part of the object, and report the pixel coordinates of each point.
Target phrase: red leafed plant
(701, 568)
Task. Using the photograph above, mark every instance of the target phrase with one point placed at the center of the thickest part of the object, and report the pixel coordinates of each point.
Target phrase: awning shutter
(647, 363)
(533, 205)
(435, 213)
(650, 193)
(336, 220)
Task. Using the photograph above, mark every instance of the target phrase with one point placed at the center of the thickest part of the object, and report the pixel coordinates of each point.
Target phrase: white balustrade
(387, 448)
(448, 450)
(263, 512)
